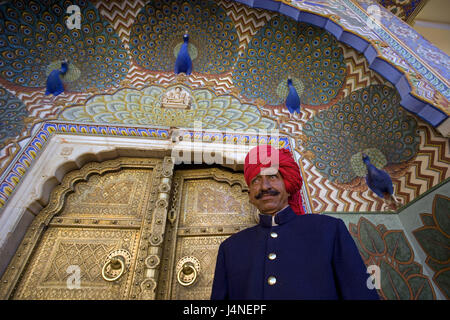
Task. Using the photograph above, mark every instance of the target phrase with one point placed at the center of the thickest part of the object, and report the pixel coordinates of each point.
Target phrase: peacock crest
(157, 35)
(369, 120)
(34, 39)
(286, 48)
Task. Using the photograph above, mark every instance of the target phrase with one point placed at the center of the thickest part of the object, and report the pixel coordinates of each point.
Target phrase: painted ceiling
(121, 65)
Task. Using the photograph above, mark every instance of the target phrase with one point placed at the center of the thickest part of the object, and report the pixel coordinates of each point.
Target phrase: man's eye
(255, 181)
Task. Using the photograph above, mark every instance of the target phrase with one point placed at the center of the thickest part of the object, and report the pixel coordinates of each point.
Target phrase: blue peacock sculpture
(293, 99)
(380, 183)
(184, 62)
(55, 85)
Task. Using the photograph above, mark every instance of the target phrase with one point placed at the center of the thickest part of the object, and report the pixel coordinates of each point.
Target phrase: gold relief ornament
(148, 287)
(235, 91)
(181, 77)
(188, 270)
(198, 226)
(94, 245)
(116, 264)
(260, 102)
(177, 98)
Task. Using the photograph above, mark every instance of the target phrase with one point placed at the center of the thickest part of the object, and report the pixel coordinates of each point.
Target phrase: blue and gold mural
(285, 48)
(34, 39)
(145, 106)
(121, 66)
(368, 121)
(157, 35)
(13, 114)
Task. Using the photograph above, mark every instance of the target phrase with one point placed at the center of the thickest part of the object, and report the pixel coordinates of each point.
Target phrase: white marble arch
(66, 152)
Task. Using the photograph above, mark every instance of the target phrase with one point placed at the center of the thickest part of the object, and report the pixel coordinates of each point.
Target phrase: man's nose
(265, 183)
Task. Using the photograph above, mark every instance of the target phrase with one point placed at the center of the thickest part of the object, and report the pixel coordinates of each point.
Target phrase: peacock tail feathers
(34, 39)
(12, 113)
(157, 35)
(369, 120)
(283, 48)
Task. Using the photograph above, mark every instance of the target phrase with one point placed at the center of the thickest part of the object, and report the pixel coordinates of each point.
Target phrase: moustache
(268, 192)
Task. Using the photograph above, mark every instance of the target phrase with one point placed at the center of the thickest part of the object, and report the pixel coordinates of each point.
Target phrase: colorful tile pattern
(387, 53)
(157, 35)
(285, 48)
(131, 106)
(404, 9)
(12, 115)
(370, 121)
(34, 39)
(434, 237)
(401, 276)
(406, 43)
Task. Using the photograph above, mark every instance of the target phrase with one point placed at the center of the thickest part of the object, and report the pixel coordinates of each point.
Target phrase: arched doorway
(129, 228)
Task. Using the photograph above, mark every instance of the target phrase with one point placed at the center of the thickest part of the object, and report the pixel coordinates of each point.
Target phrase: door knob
(116, 264)
(188, 270)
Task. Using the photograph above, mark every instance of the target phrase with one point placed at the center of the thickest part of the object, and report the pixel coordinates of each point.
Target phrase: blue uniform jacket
(315, 258)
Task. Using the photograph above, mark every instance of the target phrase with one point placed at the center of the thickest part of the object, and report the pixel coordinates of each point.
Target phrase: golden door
(92, 239)
(207, 206)
(122, 229)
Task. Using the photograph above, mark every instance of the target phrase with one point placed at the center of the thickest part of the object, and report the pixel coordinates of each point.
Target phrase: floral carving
(434, 238)
(401, 276)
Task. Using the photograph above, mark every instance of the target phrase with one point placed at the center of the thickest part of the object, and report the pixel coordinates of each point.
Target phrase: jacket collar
(281, 217)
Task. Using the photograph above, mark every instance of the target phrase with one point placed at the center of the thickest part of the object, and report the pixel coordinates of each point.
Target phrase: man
(288, 255)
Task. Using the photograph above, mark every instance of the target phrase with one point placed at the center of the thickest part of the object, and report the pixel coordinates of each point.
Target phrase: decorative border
(23, 161)
(408, 44)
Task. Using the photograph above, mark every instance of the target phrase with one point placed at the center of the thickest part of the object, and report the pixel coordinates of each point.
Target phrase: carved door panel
(207, 206)
(102, 209)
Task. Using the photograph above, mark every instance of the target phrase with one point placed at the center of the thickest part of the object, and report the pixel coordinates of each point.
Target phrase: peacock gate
(95, 204)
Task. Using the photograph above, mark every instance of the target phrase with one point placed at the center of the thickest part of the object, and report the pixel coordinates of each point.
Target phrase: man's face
(268, 193)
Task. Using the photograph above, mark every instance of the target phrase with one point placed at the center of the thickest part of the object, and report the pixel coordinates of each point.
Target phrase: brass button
(272, 280)
(272, 256)
(274, 234)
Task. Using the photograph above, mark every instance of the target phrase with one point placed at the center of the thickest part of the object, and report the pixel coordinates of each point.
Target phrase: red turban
(265, 156)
